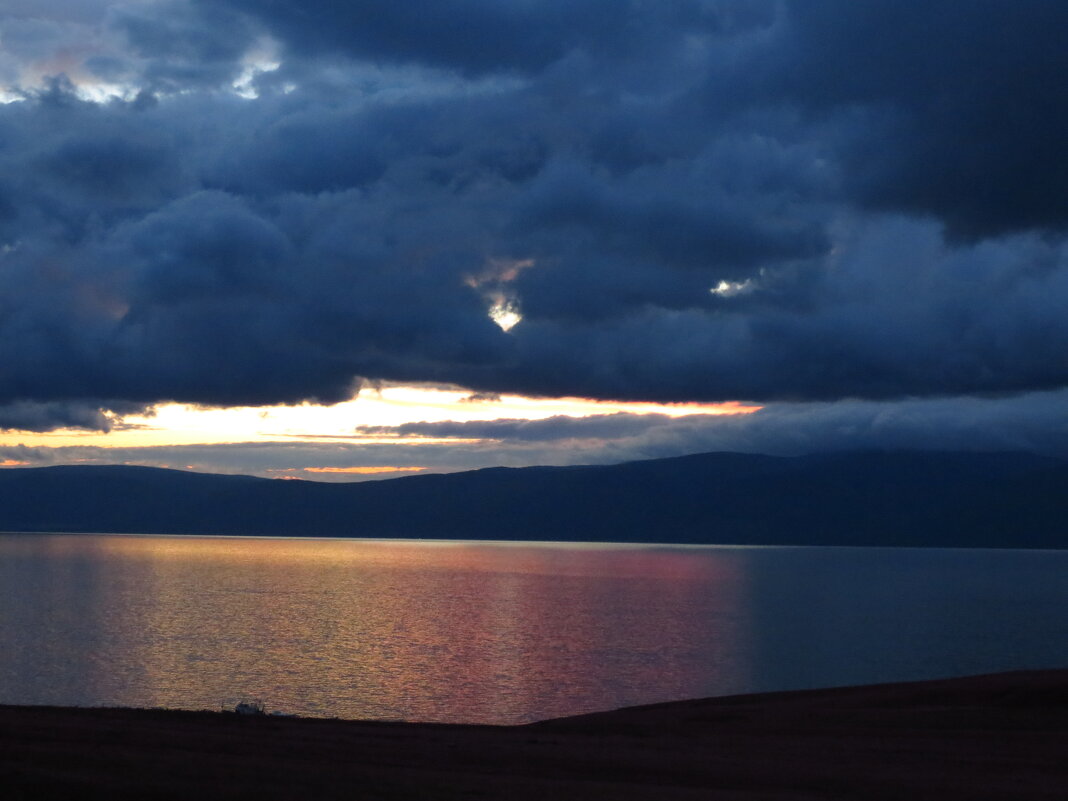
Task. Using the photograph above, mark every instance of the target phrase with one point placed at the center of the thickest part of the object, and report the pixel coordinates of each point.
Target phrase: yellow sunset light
(367, 471)
(391, 405)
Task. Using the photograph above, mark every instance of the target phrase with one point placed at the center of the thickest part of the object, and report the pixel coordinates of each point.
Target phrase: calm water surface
(477, 632)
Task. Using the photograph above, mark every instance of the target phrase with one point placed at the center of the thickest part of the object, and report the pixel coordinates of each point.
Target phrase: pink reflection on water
(464, 632)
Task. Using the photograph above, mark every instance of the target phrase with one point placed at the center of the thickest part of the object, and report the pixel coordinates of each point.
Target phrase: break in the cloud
(230, 202)
(1034, 422)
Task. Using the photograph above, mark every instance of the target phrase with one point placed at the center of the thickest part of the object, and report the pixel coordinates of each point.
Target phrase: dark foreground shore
(989, 737)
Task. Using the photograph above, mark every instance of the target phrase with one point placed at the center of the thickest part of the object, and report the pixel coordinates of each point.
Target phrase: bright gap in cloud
(263, 58)
(505, 313)
(728, 289)
(183, 424)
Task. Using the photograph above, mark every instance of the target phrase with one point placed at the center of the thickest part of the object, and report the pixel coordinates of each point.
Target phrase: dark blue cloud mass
(258, 202)
(489, 36)
(957, 108)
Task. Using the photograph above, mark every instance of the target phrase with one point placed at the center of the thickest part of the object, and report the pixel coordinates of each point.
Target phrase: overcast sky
(850, 212)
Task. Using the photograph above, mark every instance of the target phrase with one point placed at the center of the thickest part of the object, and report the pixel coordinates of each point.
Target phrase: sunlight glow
(505, 313)
(728, 289)
(263, 58)
(388, 405)
(363, 470)
(492, 283)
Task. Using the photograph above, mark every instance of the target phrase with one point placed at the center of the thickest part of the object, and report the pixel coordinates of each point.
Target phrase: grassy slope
(992, 737)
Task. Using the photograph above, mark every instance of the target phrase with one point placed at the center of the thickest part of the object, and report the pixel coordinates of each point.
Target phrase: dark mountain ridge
(904, 498)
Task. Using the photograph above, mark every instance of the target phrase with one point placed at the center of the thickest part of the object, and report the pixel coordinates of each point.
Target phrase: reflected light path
(459, 632)
(501, 633)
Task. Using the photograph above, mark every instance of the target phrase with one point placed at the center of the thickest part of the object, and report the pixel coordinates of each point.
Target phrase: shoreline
(981, 737)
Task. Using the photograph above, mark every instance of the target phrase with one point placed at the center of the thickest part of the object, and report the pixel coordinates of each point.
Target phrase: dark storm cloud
(123, 271)
(683, 200)
(477, 36)
(1033, 422)
(74, 10)
(895, 313)
(954, 110)
(25, 416)
(180, 46)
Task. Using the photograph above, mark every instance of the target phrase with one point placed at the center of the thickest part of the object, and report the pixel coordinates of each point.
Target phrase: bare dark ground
(995, 737)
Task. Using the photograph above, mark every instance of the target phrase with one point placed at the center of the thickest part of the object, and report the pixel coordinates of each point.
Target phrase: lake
(500, 633)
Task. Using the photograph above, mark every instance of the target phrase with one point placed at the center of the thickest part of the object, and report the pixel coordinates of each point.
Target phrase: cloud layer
(234, 202)
(1033, 422)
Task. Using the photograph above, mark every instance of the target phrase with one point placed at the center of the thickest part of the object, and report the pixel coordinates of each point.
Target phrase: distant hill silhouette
(913, 498)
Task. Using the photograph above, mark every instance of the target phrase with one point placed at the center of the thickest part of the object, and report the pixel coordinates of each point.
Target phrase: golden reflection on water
(456, 631)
